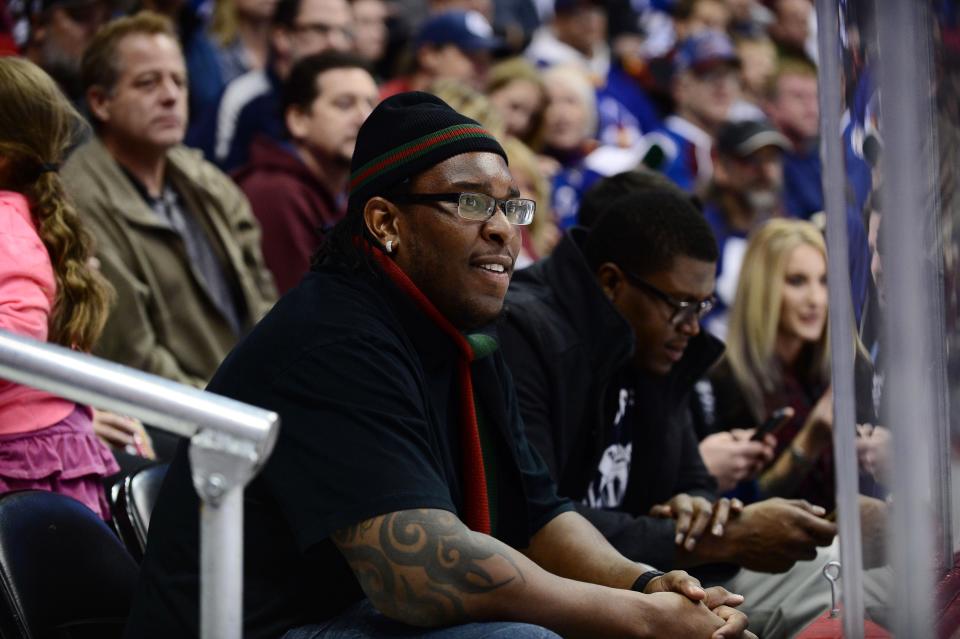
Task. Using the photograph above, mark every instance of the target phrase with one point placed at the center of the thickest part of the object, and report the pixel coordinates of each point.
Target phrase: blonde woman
(542, 234)
(517, 91)
(778, 356)
(48, 291)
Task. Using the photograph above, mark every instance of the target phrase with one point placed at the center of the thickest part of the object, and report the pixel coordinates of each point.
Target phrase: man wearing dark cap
(746, 190)
(706, 83)
(452, 45)
(402, 498)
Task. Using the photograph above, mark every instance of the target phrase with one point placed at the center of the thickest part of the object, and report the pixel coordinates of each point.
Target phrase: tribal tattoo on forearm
(453, 560)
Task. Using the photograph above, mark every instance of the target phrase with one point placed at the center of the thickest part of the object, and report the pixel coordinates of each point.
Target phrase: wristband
(643, 580)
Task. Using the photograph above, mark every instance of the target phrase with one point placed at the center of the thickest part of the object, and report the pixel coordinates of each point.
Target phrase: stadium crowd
(537, 288)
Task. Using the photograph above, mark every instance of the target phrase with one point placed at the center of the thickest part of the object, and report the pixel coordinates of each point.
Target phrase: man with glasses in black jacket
(604, 343)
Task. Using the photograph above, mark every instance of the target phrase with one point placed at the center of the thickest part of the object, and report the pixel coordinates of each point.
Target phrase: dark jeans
(362, 621)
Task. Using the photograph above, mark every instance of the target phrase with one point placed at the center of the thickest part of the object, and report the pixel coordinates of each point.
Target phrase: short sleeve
(26, 276)
(356, 438)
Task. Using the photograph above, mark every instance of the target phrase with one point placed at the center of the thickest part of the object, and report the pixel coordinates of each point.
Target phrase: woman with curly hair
(48, 291)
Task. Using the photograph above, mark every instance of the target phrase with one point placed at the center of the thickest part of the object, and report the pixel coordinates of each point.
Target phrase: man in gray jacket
(174, 235)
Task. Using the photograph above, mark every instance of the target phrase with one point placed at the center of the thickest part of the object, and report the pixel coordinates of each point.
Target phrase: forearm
(785, 475)
(425, 568)
(570, 546)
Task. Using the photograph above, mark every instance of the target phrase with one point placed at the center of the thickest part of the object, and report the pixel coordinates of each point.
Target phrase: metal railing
(229, 442)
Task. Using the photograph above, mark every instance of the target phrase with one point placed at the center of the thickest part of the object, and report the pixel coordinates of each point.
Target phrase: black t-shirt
(367, 393)
(609, 485)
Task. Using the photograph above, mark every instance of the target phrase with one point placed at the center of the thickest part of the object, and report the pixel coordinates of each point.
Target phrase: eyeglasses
(682, 311)
(476, 207)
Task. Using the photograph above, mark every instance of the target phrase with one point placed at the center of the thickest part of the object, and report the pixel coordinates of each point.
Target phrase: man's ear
(611, 279)
(381, 217)
(97, 98)
(297, 122)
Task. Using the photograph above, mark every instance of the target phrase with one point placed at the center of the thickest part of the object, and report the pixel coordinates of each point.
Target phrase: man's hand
(674, 616)
(694, 515)
(731, 457)
(771, 535)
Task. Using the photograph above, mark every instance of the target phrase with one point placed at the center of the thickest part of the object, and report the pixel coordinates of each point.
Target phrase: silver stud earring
(389, 246)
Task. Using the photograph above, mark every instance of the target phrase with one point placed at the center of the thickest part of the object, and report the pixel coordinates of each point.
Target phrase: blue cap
(467, 30)
(705, 50)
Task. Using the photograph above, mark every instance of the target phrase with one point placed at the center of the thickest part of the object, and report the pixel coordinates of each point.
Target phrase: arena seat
(63, 573)
(133, 501)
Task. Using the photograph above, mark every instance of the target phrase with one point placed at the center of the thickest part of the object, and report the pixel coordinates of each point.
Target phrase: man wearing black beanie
(402, 498)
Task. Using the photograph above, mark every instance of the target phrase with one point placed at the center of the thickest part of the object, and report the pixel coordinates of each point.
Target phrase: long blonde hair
(37, 125)
(755, 315)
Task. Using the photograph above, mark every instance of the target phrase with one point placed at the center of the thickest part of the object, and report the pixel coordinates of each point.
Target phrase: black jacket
(564, 341)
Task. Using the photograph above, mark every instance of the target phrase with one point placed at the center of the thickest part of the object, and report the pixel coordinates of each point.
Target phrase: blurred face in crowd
(566, 117)
(740, 10)
(328, 129)
(705, 97)
(370, 28)
(803, 307)
(795, 109)
(517, 102)
(462, 266)
(449, 62)
(258, 10)
(660, 342)
(758, 60)
(582, 27)
(61, 36)
(706, 15)
(756, 178)
(792, 24)
(321, 25)
(147, 107)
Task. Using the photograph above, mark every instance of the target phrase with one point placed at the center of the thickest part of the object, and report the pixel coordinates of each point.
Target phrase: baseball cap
(705, 50)
(740, 139)
(467, 30)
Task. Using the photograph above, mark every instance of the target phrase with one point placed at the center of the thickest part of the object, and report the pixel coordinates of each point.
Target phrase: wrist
(643, 581)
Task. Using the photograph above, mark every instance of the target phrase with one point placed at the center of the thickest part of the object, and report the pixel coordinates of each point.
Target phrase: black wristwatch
(640, 585)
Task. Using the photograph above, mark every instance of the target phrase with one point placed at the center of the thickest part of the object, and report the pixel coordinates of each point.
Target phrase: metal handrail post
(229, 442)
(909, 336)
(841, 320)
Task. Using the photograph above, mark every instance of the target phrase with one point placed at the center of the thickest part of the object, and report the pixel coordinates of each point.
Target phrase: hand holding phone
(775, 422)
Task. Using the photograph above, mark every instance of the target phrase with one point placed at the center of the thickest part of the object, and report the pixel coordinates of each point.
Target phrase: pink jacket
(27, 290)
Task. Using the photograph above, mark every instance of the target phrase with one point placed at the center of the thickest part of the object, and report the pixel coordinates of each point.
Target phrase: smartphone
(776, 421)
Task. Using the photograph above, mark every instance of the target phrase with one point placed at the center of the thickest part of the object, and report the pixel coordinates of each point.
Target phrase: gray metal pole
(841, 320)
(221, 562)
(909, 387)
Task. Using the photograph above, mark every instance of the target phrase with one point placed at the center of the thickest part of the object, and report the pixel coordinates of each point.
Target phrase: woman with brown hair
(48, 291)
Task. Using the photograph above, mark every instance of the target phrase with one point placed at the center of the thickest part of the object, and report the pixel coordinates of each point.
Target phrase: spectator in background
(758, 59)
(694, 16)
(747, 190)
(792, 29)
(706, 83)
(298, 188)
(516, 89)
(453, 45)
(576, 35)
(541, 235)
(241, 31)
(370, 30)
(250, 104)
(748, 18)
(57, 34)
(569, 126)
(175, 236)
(793, 108)
(48, 291)
(778, 355)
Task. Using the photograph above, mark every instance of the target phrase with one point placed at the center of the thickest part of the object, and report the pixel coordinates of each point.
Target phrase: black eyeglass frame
(455, 198)
(682, 311)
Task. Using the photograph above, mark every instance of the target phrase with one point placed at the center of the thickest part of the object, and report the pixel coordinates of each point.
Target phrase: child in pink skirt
(48, 291)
